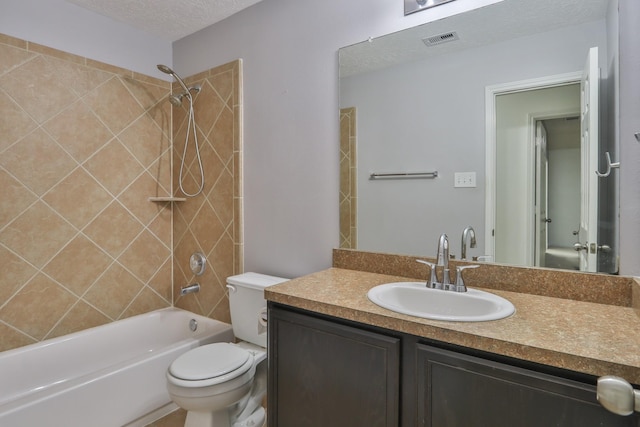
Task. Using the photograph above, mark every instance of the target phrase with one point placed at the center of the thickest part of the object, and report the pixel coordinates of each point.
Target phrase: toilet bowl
(209, 380)
(223, 384)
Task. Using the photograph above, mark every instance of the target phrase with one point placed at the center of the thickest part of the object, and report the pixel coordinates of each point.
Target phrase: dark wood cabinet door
(457, 390)
(326, 374)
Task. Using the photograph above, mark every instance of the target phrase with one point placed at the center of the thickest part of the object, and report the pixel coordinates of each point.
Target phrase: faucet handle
(432, 278)
(460, 286)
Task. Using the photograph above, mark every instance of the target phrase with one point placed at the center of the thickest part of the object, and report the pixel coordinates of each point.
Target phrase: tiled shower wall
(348, 176)
(83, 145)
(209, 223)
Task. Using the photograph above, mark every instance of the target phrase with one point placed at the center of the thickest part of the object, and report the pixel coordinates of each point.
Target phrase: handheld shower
(176, 100)
(169, 71)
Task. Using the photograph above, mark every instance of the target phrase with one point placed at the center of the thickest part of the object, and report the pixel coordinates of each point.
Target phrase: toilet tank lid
(254, 280)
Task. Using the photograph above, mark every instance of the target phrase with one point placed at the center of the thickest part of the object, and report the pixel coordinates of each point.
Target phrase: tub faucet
(189, 289)
(443, 259)
(466, 233)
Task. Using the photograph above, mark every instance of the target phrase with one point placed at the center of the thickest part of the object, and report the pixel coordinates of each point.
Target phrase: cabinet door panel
(327, 374)
(461, 390)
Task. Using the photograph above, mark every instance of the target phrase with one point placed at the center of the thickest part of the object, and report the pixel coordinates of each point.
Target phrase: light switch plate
(464, 179)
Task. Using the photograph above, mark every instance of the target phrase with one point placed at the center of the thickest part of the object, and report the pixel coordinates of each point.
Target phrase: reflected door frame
(541, 228)
(491, 93)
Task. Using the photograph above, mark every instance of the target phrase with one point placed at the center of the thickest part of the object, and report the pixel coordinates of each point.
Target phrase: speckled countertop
(593, 338)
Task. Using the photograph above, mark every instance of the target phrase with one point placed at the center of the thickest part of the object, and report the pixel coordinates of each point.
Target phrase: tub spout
(189, 289)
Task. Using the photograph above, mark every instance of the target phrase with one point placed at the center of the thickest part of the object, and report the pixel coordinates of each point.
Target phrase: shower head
(169, 71)
(176, 99)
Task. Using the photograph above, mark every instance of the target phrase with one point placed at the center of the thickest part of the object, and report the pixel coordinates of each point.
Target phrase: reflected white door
(589, 131)
(542, 199)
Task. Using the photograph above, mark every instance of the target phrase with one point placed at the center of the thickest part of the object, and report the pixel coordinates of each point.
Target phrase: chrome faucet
(189, 289)
(443, 259)
(466, 233)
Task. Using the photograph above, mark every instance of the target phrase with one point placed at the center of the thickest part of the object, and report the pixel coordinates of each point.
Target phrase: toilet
(223, 384)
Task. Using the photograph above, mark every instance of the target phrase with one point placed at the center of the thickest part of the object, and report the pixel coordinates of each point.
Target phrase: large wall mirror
(498, 119)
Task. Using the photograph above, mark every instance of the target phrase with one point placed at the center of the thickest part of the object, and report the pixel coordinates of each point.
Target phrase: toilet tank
(248, 306)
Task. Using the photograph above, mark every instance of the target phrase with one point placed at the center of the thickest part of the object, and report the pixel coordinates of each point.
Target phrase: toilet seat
(209, 365)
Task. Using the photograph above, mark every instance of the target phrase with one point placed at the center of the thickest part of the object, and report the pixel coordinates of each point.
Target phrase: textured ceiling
(166, 19)
(490, 24)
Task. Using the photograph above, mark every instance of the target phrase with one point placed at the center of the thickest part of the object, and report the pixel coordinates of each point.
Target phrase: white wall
(430, 115)
(67, 27)
(629, 146)
(291, 123)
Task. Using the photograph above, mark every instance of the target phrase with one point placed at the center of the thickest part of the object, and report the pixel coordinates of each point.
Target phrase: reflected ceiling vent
(441, 38)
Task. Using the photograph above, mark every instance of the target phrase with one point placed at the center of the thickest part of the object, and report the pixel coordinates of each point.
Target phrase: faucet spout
(467, 233)
(443, 258)
(189, 289)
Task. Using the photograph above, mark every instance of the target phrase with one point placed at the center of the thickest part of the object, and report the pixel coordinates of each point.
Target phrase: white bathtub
(112, 375)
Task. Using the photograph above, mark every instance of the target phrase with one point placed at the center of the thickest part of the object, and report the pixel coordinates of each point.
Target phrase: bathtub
(111, 375)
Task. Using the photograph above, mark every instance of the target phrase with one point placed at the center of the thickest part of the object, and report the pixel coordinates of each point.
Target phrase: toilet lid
(209, 361)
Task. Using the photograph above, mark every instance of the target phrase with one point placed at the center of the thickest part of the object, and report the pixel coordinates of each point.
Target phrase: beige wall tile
(78, 198)
(145, 301)
(161, 282)
(15, 273)
(81, 316)
(78, 265)
(47, 301)
(51, 95)
(145, 139)
(113, 92)
(348, 185)
(113, 240)
(78, 131)
(94, 141)
(114, 167)
(15, 123)
(211, 226)
(136, 198)
(12, 338)
(37, 234)
(114, 291)
(145, 256)
(12, 56)
(19, 195)
(37, 161)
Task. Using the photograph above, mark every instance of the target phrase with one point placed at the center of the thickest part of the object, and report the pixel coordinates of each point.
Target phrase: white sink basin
(415, 299)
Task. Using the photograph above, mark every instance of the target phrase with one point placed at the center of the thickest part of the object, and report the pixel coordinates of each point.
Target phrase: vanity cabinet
(455, 389)
(325, 371)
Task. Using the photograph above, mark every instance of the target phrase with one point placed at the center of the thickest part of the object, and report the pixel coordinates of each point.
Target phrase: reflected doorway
(513, 205)
(557, 218)
(536, 175)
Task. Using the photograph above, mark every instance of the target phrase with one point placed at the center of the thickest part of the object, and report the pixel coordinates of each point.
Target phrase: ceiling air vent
(440, 38)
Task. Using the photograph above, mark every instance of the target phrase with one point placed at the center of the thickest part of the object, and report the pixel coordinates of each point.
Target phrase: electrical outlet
(464, 179)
